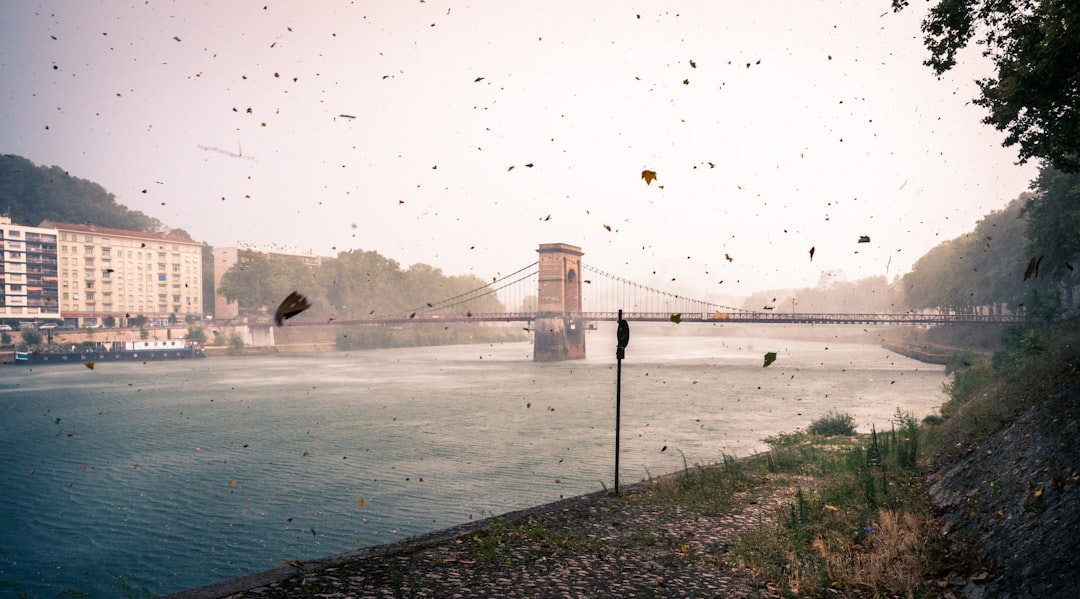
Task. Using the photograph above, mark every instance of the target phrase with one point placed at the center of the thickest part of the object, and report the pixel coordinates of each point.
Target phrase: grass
(1033, 363)
(858, 523)
(861, 525)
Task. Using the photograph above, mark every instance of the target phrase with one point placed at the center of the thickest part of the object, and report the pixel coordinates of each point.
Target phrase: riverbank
(595, 545)
(797, 520)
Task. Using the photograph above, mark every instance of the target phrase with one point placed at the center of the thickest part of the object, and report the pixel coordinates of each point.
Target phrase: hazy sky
(773, 127)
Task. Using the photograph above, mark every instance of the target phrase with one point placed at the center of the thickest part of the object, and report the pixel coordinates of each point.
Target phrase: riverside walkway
(597, 545)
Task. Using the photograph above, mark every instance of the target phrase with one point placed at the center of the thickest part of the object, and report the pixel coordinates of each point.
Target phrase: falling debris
(293, 305)
(648, 176)
(676, 318)
(1032, 268)
(812, 253)
(864, 239)
(770, 357)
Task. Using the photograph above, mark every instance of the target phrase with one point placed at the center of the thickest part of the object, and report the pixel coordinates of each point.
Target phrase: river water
(171, 475)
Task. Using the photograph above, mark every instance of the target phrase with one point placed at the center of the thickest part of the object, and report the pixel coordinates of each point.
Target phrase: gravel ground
(596, 545)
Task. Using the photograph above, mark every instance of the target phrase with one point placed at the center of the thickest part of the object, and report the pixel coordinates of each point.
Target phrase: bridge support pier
(558, 338)
(559, 333)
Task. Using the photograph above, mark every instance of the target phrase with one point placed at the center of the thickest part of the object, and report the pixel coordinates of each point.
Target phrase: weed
(833, 424)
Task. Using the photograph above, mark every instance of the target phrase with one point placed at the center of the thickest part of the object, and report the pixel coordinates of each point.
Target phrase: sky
(464, 134)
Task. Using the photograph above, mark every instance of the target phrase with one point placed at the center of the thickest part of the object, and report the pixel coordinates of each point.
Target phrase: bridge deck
(714, 318)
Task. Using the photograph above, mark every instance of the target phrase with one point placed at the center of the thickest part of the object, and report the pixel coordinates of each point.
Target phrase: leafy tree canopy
(354, 285)
(981, 268)
(30, 194)
(1035, 47)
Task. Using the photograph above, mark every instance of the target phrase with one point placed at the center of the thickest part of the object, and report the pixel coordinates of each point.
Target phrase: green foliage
(1035, 362)
(197, 334)
(1033, 45)
(30, 337)
(143, 333)
(967, 381)
(1053, 220)
(236, 345)
(30, 194)
(833, 424)
(354, 285)
(842, 521)
(981, 268)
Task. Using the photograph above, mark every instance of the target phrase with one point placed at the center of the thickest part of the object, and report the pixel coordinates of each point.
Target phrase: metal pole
(623, 339)
(618, 407)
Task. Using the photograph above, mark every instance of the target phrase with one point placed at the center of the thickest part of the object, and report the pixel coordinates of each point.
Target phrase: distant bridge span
(559, 298)
(743, 317)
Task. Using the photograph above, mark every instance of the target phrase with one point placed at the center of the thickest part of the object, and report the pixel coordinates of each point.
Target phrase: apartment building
(28, 272)
(115, 273)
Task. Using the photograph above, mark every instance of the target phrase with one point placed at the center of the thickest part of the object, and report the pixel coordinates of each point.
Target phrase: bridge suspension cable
(607, 292)
(506, 294)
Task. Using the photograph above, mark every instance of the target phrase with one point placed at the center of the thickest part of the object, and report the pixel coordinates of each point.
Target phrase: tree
(1035, 48)
(1053, 229)
(981, 268)
(30, 194)
(30, 337)
(258, 282)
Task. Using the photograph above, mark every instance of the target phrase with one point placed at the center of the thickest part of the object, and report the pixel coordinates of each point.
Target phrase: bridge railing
(810, 318)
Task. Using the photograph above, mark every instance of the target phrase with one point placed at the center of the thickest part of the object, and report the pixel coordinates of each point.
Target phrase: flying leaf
(728, 258)
(294, 563)
(293, 305)
(864, 239)
(1033, 268)
(608, 227)
(676, 318)
(648, 176)
(770, 357)
(90, 364)
(812, 253)
(360, 502)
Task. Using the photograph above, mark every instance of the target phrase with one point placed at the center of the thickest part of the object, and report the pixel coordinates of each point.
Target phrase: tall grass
(857, 522)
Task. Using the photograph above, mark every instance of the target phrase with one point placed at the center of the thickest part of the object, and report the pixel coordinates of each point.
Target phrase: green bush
(833, 424)
(197, 334)
(236, 345)
(30, 337)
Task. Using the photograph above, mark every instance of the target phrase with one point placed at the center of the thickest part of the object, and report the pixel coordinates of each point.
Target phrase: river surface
(171, 475)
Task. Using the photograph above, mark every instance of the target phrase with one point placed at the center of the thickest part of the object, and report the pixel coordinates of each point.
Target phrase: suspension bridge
(560, 297)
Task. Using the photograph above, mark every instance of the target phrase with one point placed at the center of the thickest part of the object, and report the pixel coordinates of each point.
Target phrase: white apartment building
(115, 273)
(28, 275)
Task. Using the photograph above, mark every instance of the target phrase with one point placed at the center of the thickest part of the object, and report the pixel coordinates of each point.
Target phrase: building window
(89, 284)
(89, 296)
(88, 249)
(106, 251)
(89, 261)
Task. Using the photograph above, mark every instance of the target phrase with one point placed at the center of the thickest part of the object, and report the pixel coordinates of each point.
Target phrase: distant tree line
(353, 285)
(1020, 259)
(833, 294)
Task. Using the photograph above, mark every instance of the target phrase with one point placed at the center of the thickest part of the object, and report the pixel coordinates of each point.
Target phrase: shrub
(30, 337)
(197, 334)
(833, 424)
(236, 344)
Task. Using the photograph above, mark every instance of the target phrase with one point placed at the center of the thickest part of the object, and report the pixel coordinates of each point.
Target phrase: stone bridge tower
(559, 329)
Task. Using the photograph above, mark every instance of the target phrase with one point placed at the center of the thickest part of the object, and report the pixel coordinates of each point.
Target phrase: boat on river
(116, 351)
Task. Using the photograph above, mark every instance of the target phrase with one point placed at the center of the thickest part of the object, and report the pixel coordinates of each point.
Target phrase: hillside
(1006, 470)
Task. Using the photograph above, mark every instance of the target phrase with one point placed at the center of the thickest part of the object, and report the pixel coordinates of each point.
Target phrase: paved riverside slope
(596, 545)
